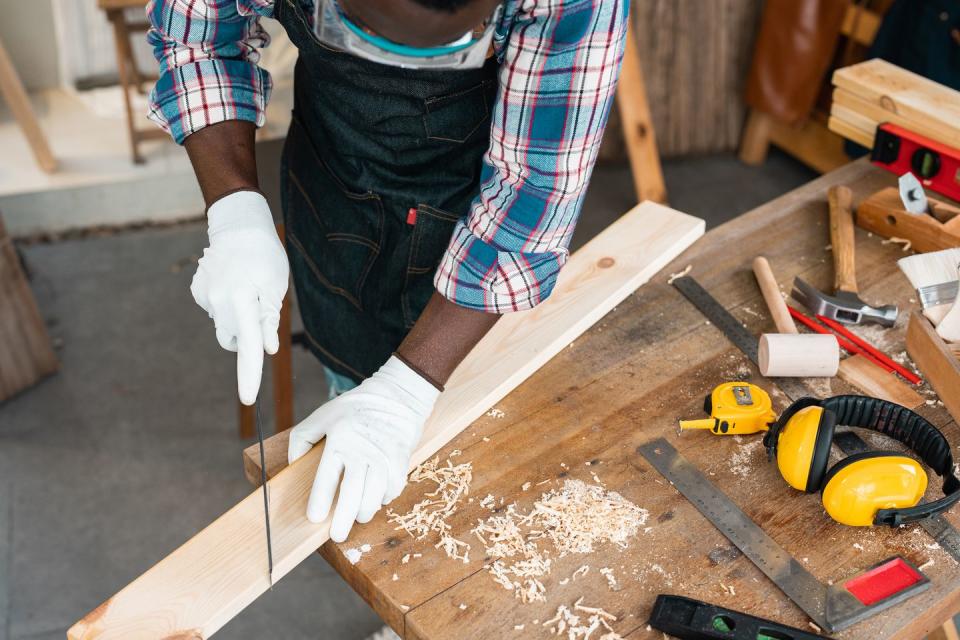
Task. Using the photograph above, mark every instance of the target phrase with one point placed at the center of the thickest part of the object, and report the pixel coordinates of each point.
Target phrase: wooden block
(851, 107)
(851, 132)
(27, 355)
(906, 94)
(883, 214)
(936, 361)
(207, 581)
(876, 381)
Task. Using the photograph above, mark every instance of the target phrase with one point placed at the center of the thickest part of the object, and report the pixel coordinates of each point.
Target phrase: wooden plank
(906, 94)
(638, 131)
(27, 353)
(850, 132)
(16, 97)
(872, 114)
(936, 361)
(203, 584)
(875, 381)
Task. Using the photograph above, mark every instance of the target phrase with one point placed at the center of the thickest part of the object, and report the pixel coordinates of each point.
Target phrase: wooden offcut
(939, 365)
(26, 355)
(874, 380)
(207, 581)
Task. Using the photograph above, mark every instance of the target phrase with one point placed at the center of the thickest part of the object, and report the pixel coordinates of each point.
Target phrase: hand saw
(266, 497)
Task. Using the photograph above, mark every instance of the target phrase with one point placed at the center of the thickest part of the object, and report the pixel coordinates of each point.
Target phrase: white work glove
(240, 282)
(371, 432)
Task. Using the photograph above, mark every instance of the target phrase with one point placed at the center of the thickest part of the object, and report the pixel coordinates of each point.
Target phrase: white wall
(27, 31)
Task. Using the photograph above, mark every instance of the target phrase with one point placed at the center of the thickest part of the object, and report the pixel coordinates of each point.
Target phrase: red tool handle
(848, 346)
(871, 350)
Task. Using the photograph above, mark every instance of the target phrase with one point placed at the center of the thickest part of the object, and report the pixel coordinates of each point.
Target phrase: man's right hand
(241, 281)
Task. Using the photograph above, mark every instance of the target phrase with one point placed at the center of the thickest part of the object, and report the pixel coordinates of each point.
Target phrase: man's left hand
(371, 433)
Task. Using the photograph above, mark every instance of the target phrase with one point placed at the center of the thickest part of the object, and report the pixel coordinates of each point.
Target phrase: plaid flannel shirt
(559, 65)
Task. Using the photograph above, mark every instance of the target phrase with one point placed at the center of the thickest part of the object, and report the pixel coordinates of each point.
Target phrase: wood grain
(905, 95)
(936, 361)
(208, 580)
(882, 213)
(877, 381)
(840, 199)
(851, 132)
(26, 355)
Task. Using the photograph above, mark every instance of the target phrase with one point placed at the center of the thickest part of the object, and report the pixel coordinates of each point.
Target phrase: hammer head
(844, 306)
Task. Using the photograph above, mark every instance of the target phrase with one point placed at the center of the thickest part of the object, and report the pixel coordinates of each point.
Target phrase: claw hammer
(845, 304)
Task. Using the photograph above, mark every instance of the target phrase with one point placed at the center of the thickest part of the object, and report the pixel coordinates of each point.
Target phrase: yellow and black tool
(735, 408)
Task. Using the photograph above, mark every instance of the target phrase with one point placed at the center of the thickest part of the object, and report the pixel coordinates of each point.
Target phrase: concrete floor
(131, 448)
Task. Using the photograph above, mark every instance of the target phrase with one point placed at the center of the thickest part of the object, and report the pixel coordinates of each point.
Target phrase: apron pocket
(336, 231)
(431, 237)
(455, 117)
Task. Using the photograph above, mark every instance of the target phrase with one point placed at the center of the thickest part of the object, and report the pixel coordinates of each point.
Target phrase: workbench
(626, 381)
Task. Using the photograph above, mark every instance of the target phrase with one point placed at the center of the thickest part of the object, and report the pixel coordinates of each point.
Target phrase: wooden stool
(811, 142)
(130, 77)
(16, 97)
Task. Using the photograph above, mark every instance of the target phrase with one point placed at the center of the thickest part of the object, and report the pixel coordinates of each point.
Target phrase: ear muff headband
(897, 422)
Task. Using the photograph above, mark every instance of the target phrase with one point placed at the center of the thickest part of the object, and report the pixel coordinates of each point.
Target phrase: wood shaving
(462, 607)
(488, 502)
(405, 559)
(569, 622)
(354, 554)
(607, 573)
(573, 518)
(582, 571)
(395, 577)
(525, 486)
(430, 515)
(679, 274)
(496, 413)
(895, 240)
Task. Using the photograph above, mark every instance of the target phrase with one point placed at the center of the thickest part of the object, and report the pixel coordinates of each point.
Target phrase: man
(432, 176)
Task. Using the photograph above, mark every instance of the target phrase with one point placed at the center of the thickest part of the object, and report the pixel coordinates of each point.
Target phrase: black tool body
(690, 619)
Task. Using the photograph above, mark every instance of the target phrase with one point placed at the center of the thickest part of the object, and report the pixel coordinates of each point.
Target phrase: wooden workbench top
(626, 381)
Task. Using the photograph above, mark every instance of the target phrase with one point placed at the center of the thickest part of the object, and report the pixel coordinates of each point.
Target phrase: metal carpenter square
(789, 575)
(734, 330)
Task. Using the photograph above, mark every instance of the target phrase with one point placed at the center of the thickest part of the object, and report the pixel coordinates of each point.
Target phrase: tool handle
(771, 293)
(842, 239)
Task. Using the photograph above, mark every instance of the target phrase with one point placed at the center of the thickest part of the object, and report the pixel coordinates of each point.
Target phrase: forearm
(223, 158)
(443, 336)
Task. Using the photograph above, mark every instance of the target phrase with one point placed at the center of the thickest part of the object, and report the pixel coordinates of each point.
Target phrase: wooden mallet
(790, 353)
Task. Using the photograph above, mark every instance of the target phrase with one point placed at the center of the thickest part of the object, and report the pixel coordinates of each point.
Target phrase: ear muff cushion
(803, 448)
(862, 484)
(821, 451)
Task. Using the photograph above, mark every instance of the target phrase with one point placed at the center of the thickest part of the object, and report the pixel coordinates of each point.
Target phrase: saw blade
(266, 496)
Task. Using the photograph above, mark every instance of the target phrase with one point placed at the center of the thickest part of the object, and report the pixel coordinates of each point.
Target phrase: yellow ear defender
(872, 487)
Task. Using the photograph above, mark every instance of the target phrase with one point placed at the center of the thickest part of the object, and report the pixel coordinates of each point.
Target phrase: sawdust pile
(430, 515)
(580, 622)
(574, 519)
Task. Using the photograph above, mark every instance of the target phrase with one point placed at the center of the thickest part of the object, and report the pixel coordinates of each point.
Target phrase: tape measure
(735, 408)
(936, 165)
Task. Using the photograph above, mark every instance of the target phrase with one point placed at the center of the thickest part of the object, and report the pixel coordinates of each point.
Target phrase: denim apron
(378, 165)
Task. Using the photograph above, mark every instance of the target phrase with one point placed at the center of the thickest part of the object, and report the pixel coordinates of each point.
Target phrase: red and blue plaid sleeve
(560, 64)
(208, 52)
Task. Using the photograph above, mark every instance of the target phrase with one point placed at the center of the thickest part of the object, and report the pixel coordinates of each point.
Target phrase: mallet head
(843, 306)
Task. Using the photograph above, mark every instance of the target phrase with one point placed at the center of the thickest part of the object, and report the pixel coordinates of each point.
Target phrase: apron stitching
(316, 271)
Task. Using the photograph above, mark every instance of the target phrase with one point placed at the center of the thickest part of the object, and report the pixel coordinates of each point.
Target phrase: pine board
(199, 587)
(626, 380)
(906, 96)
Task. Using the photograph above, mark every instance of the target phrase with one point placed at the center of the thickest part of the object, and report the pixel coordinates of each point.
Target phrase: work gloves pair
(370, 431)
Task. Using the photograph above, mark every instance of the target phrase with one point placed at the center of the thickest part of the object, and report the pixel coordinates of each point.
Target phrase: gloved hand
(371, 432)
(240, 282)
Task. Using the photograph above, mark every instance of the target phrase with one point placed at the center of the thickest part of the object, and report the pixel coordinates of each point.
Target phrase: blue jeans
(336, 383)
